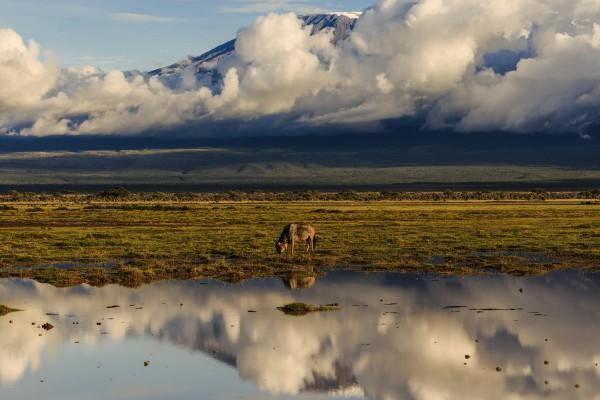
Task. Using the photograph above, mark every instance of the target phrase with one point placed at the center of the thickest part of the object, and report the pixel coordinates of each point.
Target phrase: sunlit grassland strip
(70, 243)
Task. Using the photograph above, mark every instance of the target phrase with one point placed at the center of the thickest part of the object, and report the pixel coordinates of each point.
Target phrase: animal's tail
(314, 242)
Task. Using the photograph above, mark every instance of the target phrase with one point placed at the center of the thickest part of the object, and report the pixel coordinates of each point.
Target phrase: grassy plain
(66, 243)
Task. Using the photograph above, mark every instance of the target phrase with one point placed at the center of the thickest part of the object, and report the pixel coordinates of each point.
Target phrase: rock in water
(47, 326)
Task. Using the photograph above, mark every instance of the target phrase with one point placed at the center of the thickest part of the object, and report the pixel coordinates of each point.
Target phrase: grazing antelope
(297, 233)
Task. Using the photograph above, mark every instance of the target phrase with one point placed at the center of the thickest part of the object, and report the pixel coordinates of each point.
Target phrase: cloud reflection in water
(395, 338)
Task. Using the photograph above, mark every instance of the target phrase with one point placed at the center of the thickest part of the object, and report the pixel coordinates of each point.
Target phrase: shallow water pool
(396, 336)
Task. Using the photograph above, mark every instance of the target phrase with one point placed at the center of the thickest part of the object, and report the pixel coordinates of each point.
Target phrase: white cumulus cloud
(517, 65)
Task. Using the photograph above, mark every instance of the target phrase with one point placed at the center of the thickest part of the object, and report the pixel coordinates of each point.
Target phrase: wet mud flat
(396, 336)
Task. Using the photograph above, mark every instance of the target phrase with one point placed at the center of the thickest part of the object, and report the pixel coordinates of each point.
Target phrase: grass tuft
(300, 309)
(7, 310)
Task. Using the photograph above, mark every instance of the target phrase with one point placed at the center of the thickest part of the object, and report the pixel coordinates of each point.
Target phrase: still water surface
(396, 337)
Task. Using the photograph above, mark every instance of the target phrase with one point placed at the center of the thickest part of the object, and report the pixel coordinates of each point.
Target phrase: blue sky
(142, 34)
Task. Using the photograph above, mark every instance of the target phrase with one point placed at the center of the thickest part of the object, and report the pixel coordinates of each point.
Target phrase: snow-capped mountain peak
(205, 67)
(348, 14)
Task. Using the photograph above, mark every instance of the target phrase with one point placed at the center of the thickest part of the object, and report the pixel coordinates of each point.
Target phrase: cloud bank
(137, 17)
(514, 65)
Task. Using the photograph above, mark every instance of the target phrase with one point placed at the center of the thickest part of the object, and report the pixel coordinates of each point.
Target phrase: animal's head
(281, 247)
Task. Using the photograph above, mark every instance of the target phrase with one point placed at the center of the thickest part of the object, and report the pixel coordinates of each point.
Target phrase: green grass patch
(6, 310)
(300, 309)
(134, 243)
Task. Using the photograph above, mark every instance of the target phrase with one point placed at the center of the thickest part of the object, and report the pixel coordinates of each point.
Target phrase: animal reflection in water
(298, 282)
(294, 233)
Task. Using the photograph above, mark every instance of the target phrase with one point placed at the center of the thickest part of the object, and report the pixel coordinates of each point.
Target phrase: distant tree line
(124, 195)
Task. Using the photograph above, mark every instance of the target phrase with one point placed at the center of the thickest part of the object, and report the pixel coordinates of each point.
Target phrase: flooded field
(395, 336)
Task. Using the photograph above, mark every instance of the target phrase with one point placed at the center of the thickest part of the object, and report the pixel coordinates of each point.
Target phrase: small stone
(546, 362)
(47, 326)
(467, 356)
(498, 369)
